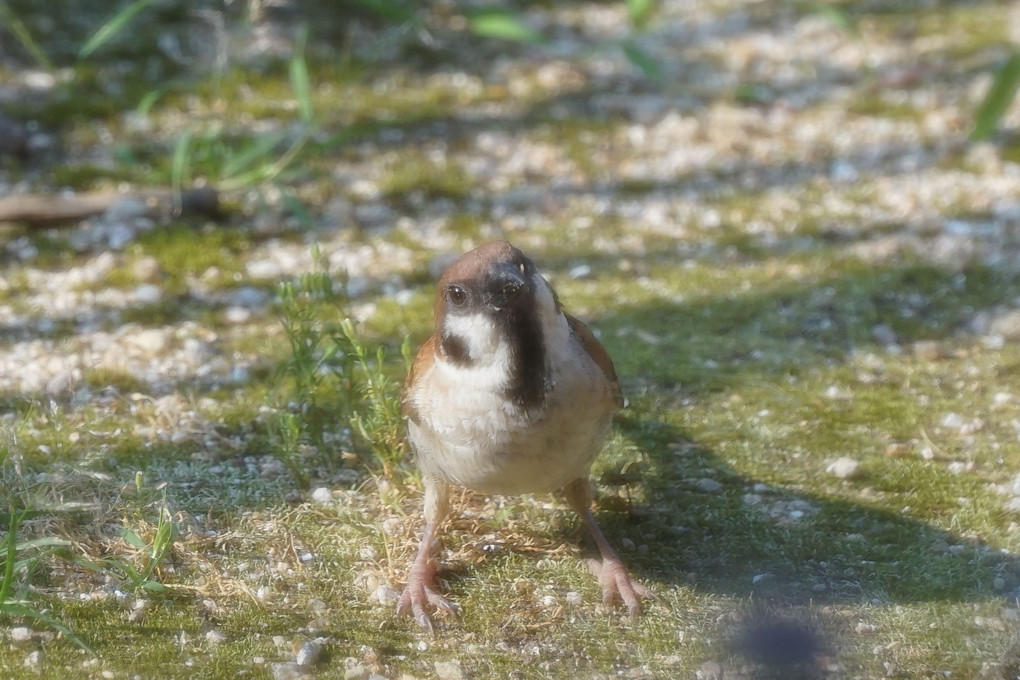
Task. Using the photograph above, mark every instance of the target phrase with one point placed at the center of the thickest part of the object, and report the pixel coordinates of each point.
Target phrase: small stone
(289, 671)
(118, 236)
(33, 660)
(708, 485)
(392, 526)
(310, 653)
(864, 628)
(385, 594)
(897, 450)
(237, 315)
(148, 294)
(842, 171)
(952, 421)
(373, 215)
(60, 383)
(449, 670)
(929, 350)
(356, 672)
(249, 297)
(197, 351)
(147, 269)
(884, 335)
(322, 495)
(215, 637)
(573, 598)
(1000, 399)
(1006, 324)
(151, 341)
(710, 670)
(843, 467)
(957, 467)
(581, 271)
(21, 634)
(125, 210)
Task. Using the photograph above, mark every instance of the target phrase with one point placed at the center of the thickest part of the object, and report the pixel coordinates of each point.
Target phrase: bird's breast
(468, 432)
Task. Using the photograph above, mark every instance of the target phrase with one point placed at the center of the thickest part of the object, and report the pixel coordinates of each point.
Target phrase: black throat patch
(528, 379)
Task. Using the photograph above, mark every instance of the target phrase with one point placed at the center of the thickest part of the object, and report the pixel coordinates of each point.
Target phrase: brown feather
(598, 354)
(425, 357)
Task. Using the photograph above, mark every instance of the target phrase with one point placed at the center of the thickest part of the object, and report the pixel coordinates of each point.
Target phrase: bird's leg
(616, 584)
(420, 590)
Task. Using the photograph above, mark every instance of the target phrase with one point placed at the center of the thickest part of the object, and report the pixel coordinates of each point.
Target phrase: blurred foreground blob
(781, 648)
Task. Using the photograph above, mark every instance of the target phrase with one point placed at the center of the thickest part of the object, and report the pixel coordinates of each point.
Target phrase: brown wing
(422, 360)
(597, 353)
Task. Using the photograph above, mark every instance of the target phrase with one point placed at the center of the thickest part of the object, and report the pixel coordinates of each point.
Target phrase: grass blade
(256, 151)
(502, 24)
(1000, 96)
(12, 609)
(839, 18)
(179, 165)
(640, 12)
(148, 101)
(12, 23)
(132, 539)
(11, 545)
(649, 66)
(112, 27)
(391, 11)
(299, 80)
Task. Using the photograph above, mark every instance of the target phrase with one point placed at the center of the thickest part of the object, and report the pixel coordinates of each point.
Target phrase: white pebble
(309, 653)
(322, 495)
(21, 634)
(126, 209)
(215, 637)
(843, 467)
(148, 294)
(708, 485)
(581, 271)
(119, 235)
(449, 670)
(237, 315)
(952, 420)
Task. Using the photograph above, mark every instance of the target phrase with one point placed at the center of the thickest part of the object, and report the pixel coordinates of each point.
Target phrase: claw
(617, 586)
(419, 593)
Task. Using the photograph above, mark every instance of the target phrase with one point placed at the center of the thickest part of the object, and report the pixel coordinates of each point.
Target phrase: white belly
(468, 434)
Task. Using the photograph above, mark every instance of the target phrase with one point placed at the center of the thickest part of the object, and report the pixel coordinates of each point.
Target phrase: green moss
(415, 175)
(183, 250)
(123, 382)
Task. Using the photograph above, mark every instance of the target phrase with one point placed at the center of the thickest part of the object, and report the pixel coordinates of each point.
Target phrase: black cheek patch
(455, 350)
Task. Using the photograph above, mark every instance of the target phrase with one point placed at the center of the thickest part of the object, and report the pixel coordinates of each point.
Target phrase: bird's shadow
(740, 537)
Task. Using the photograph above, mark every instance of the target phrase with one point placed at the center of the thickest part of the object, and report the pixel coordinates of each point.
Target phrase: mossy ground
(755, 349)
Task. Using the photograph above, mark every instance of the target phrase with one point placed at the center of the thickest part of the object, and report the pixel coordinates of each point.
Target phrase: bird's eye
(456, 295)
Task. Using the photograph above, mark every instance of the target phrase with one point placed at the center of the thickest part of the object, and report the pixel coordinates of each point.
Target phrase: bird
(510, 395)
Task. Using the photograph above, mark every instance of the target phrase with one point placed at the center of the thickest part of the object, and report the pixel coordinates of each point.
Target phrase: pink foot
(419, 593)
(618, 586)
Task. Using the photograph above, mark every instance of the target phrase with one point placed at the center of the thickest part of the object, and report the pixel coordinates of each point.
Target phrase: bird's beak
(504, 287)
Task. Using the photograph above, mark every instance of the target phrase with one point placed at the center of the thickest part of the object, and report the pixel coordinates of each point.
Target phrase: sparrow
(511, 395)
